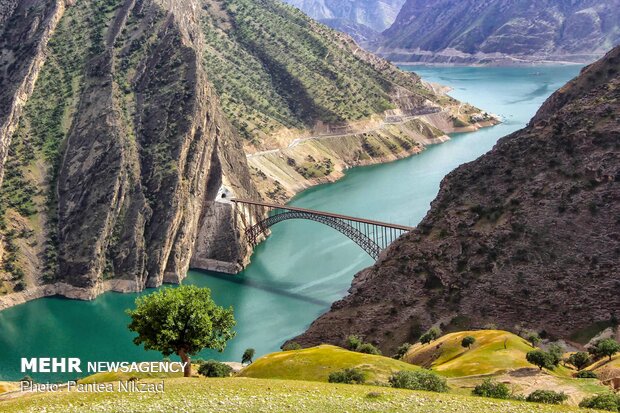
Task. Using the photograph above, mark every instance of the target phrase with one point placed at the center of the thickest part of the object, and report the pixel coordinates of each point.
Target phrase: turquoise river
(303, 267)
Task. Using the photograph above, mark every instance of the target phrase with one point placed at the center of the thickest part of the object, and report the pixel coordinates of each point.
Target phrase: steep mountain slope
(115, 163)
(277, 72)
(473, 31)
(528, 234)
(376, 15)
(124, 126)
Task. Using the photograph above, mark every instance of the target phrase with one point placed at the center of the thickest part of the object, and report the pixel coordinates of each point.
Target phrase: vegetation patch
(252, 395)
(317, 363)
(492, 351)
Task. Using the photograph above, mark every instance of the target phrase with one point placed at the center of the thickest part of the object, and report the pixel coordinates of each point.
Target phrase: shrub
(580, 360)
(401, 351)
(248, 355)
(586, 374)
(368, 348)
(293, 345)
(555, 351)
(489, 388)
(547, 397)
(432, 334)
(27, 378)
(609, 402)
(212, 368)
(353, 342)
(468, 341)
(534, 339)
(418, 380)
(541, 359)
(605, 348)
(347, 376)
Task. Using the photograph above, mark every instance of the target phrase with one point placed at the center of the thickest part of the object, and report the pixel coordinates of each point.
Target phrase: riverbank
(280, 174)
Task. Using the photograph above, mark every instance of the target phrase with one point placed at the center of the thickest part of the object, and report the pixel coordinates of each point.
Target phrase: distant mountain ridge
(486, 31)
(362, 19)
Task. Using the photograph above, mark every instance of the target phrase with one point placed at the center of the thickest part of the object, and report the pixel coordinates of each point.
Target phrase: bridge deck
(326, 214)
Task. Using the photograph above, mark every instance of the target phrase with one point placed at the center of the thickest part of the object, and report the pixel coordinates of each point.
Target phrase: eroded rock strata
(527, 236)
(131, 178)
(501, 31)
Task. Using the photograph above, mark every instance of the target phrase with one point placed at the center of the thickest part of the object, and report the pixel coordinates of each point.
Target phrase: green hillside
(254, 395)
(493, 351)
(315, 364)
(274, 67)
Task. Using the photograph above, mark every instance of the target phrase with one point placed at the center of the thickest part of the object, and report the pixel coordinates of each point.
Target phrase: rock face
(502, 31)
(527, 235)
(363, 19)
(117, 164)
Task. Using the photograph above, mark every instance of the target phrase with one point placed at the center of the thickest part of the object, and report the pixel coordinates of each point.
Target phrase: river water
(303, 267)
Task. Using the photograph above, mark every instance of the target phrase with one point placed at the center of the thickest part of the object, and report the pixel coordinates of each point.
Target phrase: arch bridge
(372, 236)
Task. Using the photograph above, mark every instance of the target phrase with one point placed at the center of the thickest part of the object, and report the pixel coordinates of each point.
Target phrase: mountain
(525, 237)
(502, 31)
(362, 19)
(124, 127)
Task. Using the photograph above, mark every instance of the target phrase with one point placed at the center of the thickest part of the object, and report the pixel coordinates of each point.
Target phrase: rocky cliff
(502, 31)
(117, 153)
(527, 236)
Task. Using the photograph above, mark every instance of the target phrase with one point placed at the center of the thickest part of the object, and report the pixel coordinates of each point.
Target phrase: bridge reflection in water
(372, 236)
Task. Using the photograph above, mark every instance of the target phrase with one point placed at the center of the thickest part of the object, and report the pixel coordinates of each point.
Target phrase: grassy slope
(605, 363)
(6, 386)
(315, 364)
(494, 351)
(252, 395)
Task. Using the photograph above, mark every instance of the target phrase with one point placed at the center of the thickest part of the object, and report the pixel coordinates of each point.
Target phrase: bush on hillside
(418, 380)
(534, 339)
(547, 397)
(468, 341)
(586, 374)
(368, 348)
(401, 351)
(353, 342)
(489, 388)
(555, 351)
(347, 376)
(431, 335)
(580, 360)
(609, 402)
(541, 359)
(212, 368)
(605, 348)
(293, 345)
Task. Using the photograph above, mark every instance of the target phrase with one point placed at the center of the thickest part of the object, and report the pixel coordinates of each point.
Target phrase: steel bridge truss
(372, 236)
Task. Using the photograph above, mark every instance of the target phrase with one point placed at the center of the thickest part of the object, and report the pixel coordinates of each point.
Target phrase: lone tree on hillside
(556, 351)
(468, 341)
(401, 351)
(181, 321)
(534, 339)
(581, 360)
(431, 335)
(248, 355)
(605, 348)
(541, 359)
